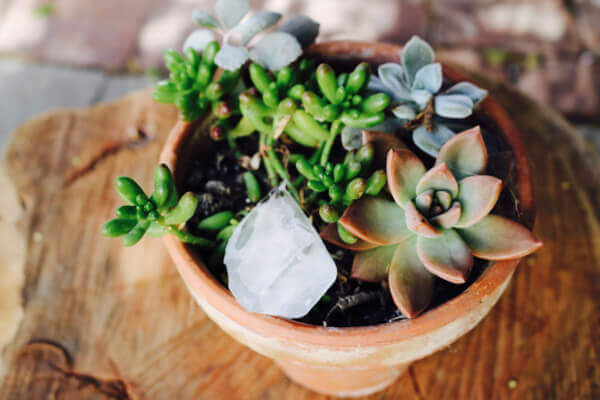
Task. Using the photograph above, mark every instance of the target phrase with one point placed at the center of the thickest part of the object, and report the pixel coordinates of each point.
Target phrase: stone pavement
(31, 89)
(549, 48)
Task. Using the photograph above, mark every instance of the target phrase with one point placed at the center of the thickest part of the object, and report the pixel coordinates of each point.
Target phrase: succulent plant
(156, 215)
(437, 222)
(274, 50)
(194, 86)
(343, 182)
(414, 86)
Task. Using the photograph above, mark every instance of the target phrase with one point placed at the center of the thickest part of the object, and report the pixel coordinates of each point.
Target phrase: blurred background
(80, 52)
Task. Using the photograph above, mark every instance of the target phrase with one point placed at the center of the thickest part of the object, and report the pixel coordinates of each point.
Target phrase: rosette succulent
(415, 87)
(438, 221)
(274, 50)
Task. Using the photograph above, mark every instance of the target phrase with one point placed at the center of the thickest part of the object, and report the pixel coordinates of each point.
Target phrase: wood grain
(105, 322)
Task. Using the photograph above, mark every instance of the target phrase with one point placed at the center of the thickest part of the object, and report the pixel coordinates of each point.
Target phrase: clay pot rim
(205, 286)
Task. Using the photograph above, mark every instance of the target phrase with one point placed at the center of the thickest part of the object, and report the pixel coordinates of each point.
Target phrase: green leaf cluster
(196, 86)
(154, 215)
(343, 182)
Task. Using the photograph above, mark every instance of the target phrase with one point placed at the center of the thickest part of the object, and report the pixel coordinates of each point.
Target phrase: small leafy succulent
(344, 182)
(343, 103)
(415, 84)
(439, 220)
(157, 215)
(274, 50)
(194, 85)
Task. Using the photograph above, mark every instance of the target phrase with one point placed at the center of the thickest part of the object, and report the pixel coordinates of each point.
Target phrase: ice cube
(276, 262)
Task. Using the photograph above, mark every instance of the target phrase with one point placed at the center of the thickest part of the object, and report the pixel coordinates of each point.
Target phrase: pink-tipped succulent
(439, 220)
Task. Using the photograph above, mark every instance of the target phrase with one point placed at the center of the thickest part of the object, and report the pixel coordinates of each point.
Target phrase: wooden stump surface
(100, 321)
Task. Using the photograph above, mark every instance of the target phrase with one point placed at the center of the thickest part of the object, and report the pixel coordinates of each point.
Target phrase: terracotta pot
(347, 361)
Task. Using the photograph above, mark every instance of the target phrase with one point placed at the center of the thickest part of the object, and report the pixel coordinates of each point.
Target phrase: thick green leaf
(183, 211)
(446, 256)
(373, 265)
(130, 191)
(118, 226)
(411, 285)
(438, 178)
(417, 223)
(477, 195)
(376, 220)
(415, 55)
(499, 238)
(404, 170)
(330, 234)
(465, 154)
(134, 235)
(448, 218)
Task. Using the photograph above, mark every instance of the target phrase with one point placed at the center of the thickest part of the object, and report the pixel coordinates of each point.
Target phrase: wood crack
(415, 383)
(140, 140)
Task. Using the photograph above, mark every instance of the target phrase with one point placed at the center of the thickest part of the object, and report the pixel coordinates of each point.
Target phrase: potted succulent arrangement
(347, 207)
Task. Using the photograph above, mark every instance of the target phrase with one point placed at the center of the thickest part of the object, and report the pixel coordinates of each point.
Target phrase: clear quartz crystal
(276, 262)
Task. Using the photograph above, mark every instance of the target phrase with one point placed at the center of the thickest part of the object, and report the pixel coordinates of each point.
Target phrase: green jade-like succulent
(439, 220)
(156, 215)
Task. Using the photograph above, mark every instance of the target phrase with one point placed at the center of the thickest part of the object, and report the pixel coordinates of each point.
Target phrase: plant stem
(279, 168)
(336, 128)
(266, 161)
(189, 238)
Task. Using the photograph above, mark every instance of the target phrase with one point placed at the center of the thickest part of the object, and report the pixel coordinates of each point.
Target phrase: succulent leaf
(473, 92)
(257, 23)
(276, 50)
(417, 223)
(231, 12)
(448, 218)
(231, 57)
(465, 154)
(443, 198)
(477, 195)
(453, 105)
(382, 143)
(375, 220)
(499, 238)
(438, 178)
(404, 112)
(415, 55)
(330, 234)
(446, 256)
(303, 28)
(351, 138)
(432, 141)
(373, 265)
(404, 170)
(391, 76)
(198, 40)
(411, 285)
(424, 200)
(204, 19)
(429, 78)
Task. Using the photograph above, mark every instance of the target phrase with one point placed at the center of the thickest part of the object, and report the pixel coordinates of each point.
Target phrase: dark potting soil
(217, 180)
